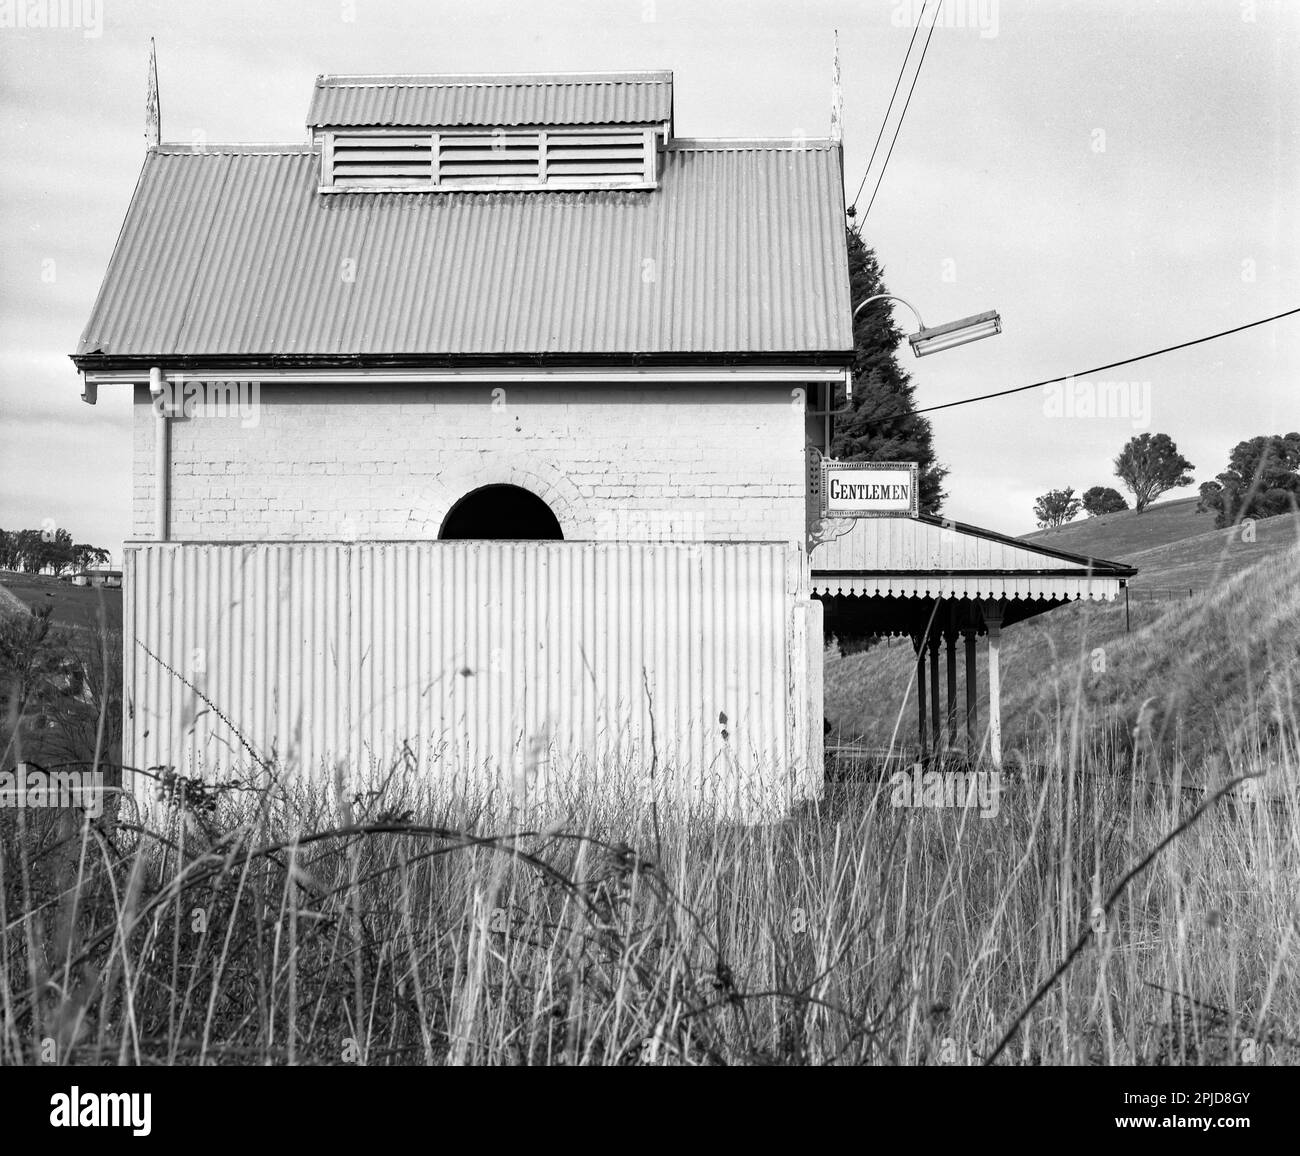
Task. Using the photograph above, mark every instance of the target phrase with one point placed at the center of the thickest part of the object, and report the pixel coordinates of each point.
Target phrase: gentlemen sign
(869, 490)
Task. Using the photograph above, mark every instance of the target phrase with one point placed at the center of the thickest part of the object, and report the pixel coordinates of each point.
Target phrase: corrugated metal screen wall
(524, 665)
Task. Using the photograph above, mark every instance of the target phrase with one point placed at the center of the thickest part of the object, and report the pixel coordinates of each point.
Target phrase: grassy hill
(10, 603)
(1118, 536)
(1211, 557)
(1209, 673)
(72, 605)
(1172, 545)
(63, 672)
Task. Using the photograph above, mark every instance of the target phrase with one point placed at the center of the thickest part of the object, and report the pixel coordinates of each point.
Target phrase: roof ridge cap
(487, 79)
(182, 148)
(793, 143)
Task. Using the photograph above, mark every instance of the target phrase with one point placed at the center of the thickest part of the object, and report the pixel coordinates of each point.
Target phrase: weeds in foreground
(1096, 918)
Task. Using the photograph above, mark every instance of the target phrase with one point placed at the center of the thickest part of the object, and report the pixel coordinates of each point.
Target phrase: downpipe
(162, 453)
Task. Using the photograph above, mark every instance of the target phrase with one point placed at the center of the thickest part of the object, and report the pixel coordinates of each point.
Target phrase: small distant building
(97, 578)
(483, 432)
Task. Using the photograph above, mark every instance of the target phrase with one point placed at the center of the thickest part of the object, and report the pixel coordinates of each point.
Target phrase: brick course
(708, 462)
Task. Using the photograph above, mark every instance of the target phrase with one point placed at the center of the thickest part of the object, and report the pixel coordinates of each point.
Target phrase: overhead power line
(1111, 365)
(903, 115)
(890, 107)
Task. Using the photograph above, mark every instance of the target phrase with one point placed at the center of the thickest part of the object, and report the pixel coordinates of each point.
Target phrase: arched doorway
(501, 512)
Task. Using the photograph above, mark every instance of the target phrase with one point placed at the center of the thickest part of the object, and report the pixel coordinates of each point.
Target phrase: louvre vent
(578, 158)
(382, 161)
(432, 161)
(489, 159)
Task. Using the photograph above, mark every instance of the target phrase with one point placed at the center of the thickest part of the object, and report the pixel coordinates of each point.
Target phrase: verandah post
(993, 620)
(951, 640)
(919, 643)
(936, 732)
(971, 689)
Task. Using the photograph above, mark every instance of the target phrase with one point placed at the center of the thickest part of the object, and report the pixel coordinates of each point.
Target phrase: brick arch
(551, 485)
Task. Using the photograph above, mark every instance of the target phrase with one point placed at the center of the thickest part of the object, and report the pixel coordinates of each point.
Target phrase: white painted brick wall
(710, 462)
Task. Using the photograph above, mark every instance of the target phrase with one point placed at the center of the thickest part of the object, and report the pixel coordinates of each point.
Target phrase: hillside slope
(1119, 536)
(10, 603)
(70, 605)
(1171, 544)
(1214, 556)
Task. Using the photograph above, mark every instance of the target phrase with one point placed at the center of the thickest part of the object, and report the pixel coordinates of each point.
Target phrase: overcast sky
(1112, 177)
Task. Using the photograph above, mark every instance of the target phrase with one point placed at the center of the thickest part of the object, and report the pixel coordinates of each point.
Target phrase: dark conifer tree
(883, 425)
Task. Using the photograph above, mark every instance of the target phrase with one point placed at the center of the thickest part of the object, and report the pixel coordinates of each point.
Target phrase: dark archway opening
(501, 512)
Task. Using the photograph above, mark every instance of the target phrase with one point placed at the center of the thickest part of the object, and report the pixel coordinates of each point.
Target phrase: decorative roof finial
(837, 96)
(152, 113)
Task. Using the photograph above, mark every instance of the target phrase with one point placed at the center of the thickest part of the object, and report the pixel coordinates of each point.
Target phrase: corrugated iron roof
(938, 558)
(496, 100)
(234, 252)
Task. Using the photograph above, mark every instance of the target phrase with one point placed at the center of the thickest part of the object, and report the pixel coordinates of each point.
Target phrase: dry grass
(272, 927)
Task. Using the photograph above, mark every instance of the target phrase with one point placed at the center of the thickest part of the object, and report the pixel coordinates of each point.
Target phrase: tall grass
(276, 925)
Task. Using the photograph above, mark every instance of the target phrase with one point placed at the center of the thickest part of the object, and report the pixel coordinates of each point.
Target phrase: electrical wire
(890, 108)
(898, 127)
(1111, 365)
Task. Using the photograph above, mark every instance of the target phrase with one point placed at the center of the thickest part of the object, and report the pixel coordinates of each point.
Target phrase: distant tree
(86, 557)
(1056, 507)
(1103, 500)
(1262, 479)
(30, 550)
(63, 555)
(58, 550)
(1150, 465)
(883, 425)
(1209, 500)
(35, 550)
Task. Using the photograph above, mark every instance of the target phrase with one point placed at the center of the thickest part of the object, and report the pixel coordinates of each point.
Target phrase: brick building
(476, 426)
(476, 433)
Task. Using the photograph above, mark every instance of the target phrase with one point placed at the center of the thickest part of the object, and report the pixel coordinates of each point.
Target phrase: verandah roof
(931, 558)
